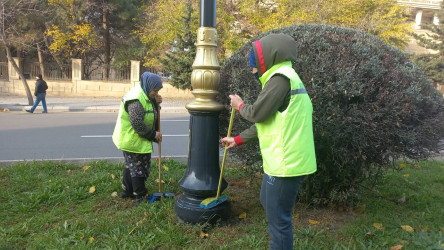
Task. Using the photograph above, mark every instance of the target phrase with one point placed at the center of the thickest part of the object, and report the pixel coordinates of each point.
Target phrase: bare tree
(10, 11)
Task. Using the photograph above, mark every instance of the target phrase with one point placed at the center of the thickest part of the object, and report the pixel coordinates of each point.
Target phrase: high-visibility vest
(286, 138)
(125, 137)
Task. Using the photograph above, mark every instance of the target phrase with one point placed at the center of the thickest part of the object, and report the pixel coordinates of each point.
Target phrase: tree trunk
(106, 42)
(8, 54)
(39, 54)
(15, 66)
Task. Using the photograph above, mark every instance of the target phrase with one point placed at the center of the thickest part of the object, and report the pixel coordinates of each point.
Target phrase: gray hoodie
(275, 96)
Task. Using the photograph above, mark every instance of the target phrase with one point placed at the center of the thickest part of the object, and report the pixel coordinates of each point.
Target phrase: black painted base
(188, 211)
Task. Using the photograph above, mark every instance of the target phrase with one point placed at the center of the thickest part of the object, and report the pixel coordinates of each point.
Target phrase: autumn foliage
(372, 106)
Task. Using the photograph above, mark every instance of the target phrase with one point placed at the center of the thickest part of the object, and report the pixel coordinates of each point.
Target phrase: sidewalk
(83, 104)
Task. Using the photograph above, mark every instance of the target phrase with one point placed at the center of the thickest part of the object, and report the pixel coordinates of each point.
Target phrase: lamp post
(201, 177)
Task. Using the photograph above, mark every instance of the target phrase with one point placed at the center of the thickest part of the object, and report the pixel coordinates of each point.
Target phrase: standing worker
(40, 93)
(282, 115)
(135, 130)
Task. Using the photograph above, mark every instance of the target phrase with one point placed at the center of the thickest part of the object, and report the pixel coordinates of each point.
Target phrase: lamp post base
(188, 211)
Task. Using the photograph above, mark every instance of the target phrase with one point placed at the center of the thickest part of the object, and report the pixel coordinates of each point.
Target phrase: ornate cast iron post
(201, 178)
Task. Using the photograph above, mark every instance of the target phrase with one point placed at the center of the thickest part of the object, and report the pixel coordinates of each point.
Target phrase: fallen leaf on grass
(92, 189)
(146, 214)
(378, 226)
(397, 247)
(402, 165)
(407, 228)
(313, 222)
(417, 166)
(114, 194)
(91, 239)
(243, 215)
(86, 167)
(426, 229)
(113, 176)
(157, 180)
(203, 235)
(165, 167)
(406, 175)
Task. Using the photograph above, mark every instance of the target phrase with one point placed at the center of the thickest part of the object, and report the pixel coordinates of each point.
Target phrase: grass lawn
(47, 205)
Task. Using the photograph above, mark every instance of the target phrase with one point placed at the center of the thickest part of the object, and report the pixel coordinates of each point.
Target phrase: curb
(62, 108)
(81, 161)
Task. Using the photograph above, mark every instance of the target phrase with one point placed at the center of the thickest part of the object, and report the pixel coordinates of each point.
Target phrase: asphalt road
(58, 136)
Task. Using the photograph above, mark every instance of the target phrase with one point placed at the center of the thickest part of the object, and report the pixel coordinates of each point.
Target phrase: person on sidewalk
(282, 115)
(40, 93)
(135, 130)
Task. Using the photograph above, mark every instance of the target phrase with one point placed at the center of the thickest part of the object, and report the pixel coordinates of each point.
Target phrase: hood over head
(273, 49)
(39, 76)
(150, 81)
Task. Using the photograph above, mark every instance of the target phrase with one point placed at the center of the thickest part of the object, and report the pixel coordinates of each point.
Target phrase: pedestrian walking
(282, 115)
(40, 93)
(136, 128)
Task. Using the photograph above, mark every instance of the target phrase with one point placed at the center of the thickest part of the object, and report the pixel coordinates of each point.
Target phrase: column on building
(13, 74)
(418, 19)
(135, 71)
(435, 19)
(77, 69)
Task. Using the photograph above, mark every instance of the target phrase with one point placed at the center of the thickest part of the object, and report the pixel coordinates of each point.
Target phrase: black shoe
(140, 200)
(44, 112)
(125, 195)
(29, 111)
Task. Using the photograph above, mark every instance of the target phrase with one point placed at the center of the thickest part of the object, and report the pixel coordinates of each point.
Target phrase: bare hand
(159, 99)
(235, 101)
(228, 142)
(158, 136)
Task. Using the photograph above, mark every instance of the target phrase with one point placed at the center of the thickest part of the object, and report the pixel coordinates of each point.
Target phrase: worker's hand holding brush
(228, 142)
(235, 102)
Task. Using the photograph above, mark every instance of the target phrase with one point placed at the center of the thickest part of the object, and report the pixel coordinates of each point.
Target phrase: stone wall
(87, 88)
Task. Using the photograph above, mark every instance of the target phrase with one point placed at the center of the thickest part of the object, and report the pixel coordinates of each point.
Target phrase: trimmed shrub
(372, 106)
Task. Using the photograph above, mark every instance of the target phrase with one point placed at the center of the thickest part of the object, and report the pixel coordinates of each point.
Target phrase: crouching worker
(135, 130)
(282, 115)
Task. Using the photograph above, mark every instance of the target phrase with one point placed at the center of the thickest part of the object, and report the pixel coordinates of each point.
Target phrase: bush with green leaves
(372, 106)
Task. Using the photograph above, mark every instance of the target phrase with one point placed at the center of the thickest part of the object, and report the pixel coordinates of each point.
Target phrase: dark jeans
(40, 98)
(278, 196)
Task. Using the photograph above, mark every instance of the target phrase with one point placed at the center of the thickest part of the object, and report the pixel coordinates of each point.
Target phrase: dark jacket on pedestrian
(40, 85)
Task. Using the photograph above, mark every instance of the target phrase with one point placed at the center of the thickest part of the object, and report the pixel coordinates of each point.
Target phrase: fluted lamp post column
(201, 177)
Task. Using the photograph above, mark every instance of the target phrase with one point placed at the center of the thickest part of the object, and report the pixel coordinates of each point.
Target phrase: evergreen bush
(372, 106)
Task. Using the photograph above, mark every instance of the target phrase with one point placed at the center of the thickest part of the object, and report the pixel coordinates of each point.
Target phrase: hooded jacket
(40, 86)
(282, 112)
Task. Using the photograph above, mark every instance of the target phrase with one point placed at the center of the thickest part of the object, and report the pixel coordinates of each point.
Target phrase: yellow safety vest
(286, 138)
(125, 137)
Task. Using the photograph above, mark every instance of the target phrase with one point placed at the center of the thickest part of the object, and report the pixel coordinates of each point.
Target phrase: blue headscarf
(150, 81)
(253, 63)
(252, 59)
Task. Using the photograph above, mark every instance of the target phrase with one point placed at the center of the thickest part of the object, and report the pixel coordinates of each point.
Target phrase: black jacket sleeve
(136, 116)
